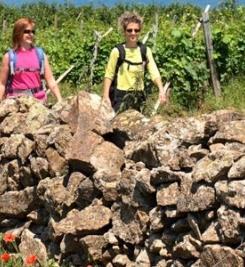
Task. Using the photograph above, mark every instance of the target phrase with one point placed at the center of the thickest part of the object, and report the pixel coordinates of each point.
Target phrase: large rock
(232, 193)
(57, 164)
(17, 146)
(202, 199)
(87, 221)
(189, 248)
(214, 166)
(168, 194)
(7, 107)
(134, 190)
(129, 225)
(39, 167)
(107, 184)
(165, 175)
(85, 113)
(60, 138)
(81, 149)
(94, 245)
(18, 203)
(108, 158)
(81, 188)
(215, 255)
(232, 131)
(238, 169)
(54, 195)
(229, 225)
(211, 235)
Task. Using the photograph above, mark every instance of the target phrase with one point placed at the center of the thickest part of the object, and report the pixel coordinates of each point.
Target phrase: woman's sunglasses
(131, 30)
(29, 31)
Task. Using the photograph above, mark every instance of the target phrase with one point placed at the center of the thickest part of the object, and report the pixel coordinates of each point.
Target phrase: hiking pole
(166, 86)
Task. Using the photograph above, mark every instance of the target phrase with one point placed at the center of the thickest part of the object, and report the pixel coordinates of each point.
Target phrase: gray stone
(168, 194)
(238, 169)
(86, 221)
(17, 203)
(231, 193)
(220, 255)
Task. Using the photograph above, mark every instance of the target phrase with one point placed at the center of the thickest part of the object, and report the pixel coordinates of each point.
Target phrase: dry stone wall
(84, 187)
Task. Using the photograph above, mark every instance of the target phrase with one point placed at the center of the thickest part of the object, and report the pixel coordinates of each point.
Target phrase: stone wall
(85, 188)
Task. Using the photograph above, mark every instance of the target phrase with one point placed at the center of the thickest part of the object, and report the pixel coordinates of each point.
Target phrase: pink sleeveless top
(24, 79)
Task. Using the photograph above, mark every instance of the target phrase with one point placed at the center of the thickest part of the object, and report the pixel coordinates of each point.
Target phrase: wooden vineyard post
(55, 20)
(209, 48)
(4, 26)
(98, 36)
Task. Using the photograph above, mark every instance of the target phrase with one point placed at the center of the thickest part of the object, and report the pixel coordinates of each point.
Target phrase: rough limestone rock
(17, 203)
(94, 245)
(232, 193)
(232, 131)
(215, 254)
(89, 220)
(168, 194)
(238, 169)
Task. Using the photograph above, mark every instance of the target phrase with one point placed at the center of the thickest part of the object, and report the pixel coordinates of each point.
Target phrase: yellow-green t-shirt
(131, 77)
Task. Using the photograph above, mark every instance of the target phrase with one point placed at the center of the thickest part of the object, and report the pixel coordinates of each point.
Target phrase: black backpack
(121, 59)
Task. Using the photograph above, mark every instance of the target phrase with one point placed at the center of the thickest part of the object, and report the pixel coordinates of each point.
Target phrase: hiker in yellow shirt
(124, 77)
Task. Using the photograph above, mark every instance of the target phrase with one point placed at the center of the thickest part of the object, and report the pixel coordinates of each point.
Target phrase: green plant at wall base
(10, 255)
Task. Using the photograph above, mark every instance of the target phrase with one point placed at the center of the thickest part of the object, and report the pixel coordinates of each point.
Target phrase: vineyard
(67, 34)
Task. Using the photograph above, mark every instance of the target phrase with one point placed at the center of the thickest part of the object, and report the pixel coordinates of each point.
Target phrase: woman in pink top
(26, 79)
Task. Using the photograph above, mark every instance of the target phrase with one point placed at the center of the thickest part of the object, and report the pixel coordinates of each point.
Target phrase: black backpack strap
(143, 51)
(120, 60)
(121, 56)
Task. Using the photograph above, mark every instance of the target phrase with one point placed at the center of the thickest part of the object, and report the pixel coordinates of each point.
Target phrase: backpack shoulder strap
(40, 55)
(121, 57)
(12, 61)
(143, 51)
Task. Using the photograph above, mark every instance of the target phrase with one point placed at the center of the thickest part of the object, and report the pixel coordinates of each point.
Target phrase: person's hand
(58, 105)
(106, 101)
(59, 99)
(163, 99)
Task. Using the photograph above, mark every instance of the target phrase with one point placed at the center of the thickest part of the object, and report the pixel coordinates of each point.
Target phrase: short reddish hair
(18, 31)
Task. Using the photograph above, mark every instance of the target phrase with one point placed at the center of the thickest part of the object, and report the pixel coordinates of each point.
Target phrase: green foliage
(233, 97)
(66, 33)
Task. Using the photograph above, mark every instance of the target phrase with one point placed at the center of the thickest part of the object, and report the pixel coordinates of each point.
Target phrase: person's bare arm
(49, 78)
(106, 90)
(162, 90)
(4, 75)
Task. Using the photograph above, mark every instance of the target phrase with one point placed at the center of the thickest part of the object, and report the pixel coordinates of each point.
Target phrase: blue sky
(201, 3)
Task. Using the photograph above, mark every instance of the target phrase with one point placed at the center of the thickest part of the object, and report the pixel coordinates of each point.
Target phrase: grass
(233, 96)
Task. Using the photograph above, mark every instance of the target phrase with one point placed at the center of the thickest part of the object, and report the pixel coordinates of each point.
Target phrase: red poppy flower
(30, 260)
(9, 237)
(5, 257)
